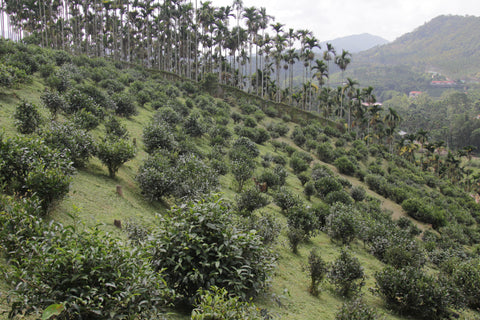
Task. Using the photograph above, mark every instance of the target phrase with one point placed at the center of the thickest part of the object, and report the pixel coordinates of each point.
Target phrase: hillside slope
(296, 154)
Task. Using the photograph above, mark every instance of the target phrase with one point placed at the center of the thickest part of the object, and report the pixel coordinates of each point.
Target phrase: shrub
(86, 120)
(268, 177)
(74, 270)
(341, 224)
(113, 127)
(167, 115)
(420, 210)
(125, 105)
(356, 309)
(340, 143)
(403, 252)
(298, 164)
(157, 135)
(327, 184)
(193, 125)
(345, 166)
(339, 197)
(346, 274)
(98, 96)
(29, 166)
(317, 269)
(53, 102)
(325, 152)
(267, 227)
(295, 237)
(78, 144)
(271, 112)
(10, 76)
(143, 96)
(466, 276)
(250, 199)
(358, 193)
(198, 246)
(111, 85)
(181, 176)
(247, 146)
(303, 177)
(114, 152)
(309, 189)
(77, 101)
(285, 199)
(280, 128)
(216, 301)
(332, 132)
(261, 136)
(61, 80)
(298, 136)
(249, 122)
(242, 168)
(300, 217)
(412, 292)
(27, 118)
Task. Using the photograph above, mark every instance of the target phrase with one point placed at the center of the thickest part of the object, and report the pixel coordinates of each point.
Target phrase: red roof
(443, 82)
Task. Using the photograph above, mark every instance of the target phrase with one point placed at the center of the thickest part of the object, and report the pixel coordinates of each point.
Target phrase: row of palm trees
(244, 46)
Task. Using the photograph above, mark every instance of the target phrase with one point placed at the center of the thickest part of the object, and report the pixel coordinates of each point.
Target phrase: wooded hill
(327, 217)
(448, 45)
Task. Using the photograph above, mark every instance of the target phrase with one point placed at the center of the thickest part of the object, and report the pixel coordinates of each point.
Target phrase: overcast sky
(330, 19)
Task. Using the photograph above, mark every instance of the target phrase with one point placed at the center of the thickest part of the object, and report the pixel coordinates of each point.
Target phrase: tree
(346, 274)
(114, 152)
(27, 118)
(349, 90)
(342, 61)
(341, 223)
(184, 176)
(76, 143)
(199, 246)
(317, 269)
(321, 72)
(329, 54)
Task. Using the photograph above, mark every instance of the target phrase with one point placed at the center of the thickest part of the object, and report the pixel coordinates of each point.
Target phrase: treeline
(451, 119)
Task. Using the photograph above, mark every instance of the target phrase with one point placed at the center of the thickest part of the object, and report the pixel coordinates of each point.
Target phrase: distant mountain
(356, 43)
(448, 46)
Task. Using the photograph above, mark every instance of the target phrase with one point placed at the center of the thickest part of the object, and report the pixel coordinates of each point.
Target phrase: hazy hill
(448, 45)
(356, 43)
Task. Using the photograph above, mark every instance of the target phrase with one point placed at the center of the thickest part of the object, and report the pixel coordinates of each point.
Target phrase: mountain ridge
(356, 43)
(447, 44)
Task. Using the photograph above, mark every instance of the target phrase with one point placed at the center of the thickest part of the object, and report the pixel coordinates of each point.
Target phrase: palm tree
(277, 54)
(392, 119)
(348, 90)
(290, 58)
(342, 61)
(321, 72)
(328, 55)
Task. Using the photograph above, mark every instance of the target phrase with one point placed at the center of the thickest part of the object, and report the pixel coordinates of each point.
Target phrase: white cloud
(330, 19)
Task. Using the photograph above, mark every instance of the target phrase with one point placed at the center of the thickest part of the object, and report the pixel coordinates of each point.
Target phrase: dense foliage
(29, 167)
(199, 246)
(74, 269)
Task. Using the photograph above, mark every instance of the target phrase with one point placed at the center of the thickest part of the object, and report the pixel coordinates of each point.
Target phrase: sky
(331, 19)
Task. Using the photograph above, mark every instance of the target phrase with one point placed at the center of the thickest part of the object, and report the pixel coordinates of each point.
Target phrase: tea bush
(199, 246)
